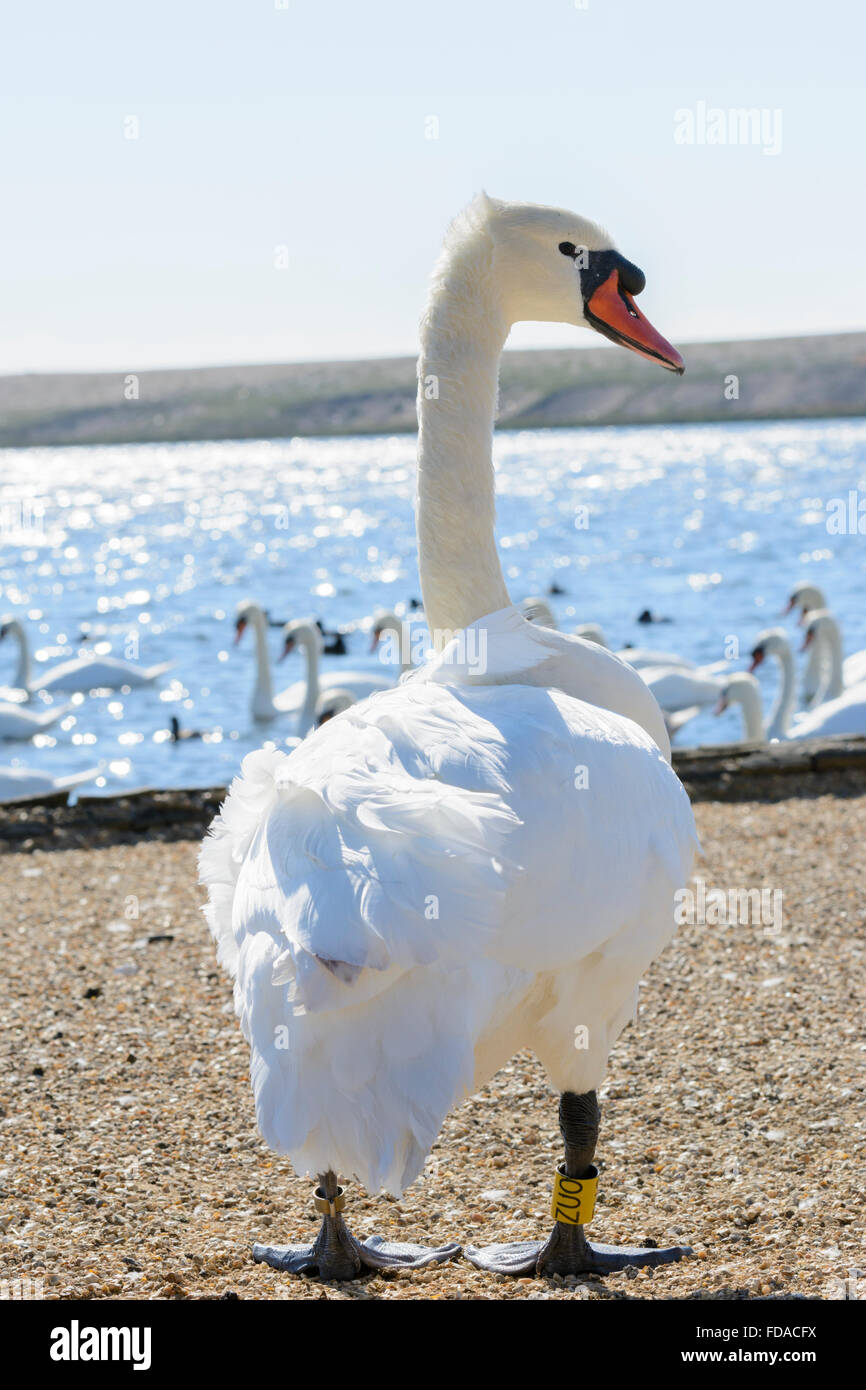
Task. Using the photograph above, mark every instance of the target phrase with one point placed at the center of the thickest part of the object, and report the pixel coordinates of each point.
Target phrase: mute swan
(17, 783)
(809, 598)
(806, 596)
(82, 673)
(774, 642)
(677, 689)
(300, 633)
(299, 699)
(823, 636)
(480, 859)
(742, 689)
(265, 704)
(843, 715)
(17, 721)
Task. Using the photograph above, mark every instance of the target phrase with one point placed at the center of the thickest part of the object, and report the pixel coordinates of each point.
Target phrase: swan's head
(300, 632)
(8, 626)
(246, 612)
(820, 627)
(741, 688)
(806, 597)
(772, 642)
(551, 265)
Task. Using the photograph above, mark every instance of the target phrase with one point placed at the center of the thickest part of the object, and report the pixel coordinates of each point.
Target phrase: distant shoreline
(803, 378)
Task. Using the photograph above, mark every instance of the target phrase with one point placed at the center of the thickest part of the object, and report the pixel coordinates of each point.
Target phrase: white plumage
(482, 859)
(444, 873)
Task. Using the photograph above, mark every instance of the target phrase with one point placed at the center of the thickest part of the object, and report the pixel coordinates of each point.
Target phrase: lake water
(154, 545)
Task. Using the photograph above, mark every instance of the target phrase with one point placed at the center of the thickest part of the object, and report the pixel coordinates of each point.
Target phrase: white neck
(308, 639)
(23, 673)
(786, 699)
(753, 716)
(830, 638)
(462, 337)
(263, 695)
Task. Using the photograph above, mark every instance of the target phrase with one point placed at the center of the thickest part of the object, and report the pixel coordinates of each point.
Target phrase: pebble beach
(732, 1114)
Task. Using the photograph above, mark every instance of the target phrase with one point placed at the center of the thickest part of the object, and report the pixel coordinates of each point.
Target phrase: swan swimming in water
(17, 783)
(17, 721)
(480, 859)
(81, 673)
(841, 713)
(299, 699)
(817, 677)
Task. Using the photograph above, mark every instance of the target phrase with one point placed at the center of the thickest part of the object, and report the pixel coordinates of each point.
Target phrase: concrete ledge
(733, 772)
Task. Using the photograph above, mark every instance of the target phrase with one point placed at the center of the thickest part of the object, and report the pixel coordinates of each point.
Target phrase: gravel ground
(732, 1116)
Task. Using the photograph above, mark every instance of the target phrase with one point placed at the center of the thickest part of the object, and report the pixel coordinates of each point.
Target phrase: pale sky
(305, 127)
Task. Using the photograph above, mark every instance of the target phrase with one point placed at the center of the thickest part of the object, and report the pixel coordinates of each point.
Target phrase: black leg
(567, 1250)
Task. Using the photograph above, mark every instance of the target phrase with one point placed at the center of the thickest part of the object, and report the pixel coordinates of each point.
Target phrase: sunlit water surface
(151, 547)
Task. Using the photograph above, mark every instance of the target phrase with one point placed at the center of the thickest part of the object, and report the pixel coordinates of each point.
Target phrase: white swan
(845, 714)
(838, 673)
(299, 699)
(774, 642)
(677, 689)
(16, 721)
(742, 689)
(809, 598)
(19, 783)
(81, 673)
(265, 704)
(481, 859)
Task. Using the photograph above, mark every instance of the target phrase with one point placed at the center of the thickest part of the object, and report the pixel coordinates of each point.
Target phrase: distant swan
(21, 782)
(16, 721)
(81, 673)
(818, 682)
(846, 714)
(299, 699)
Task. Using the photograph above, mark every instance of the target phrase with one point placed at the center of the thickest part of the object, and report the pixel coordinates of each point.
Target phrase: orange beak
(240, 627)
(612, 310)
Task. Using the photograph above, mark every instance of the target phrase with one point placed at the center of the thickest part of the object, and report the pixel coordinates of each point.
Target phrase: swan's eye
(568, 248)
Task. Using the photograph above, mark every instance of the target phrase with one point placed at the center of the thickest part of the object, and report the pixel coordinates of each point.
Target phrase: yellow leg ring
(326, 1207)
(574, 1198)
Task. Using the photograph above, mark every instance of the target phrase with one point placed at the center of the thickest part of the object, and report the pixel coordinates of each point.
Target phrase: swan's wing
(676, 689)
(844, 715)
(371, 896)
